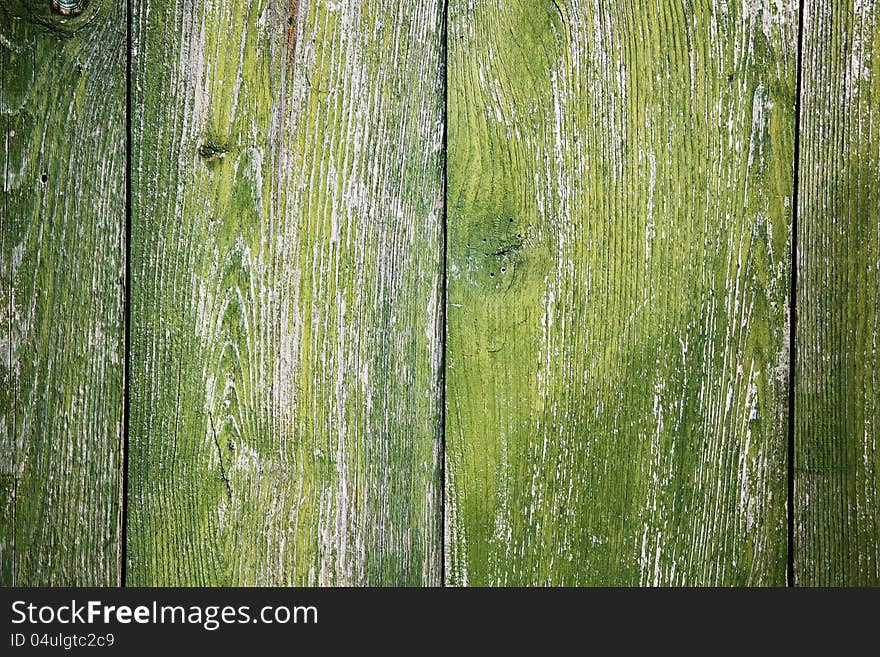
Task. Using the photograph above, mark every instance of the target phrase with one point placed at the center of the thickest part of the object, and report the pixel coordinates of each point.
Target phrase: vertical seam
(792, 335)
(443, 286)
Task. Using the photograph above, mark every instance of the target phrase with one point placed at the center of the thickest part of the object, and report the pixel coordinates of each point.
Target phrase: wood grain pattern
(620, 190)
(620, 179)
(62, 108)
(286, 255)
(837, 464)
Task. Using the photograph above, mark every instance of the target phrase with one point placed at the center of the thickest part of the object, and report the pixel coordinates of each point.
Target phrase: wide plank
(286, 269)
(837, 373)
(62, 116)
(620, 201)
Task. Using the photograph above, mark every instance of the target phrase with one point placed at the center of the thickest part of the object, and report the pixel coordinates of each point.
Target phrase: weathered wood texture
(837, 376)
(286, 261)
(62, 108)
(620, 190)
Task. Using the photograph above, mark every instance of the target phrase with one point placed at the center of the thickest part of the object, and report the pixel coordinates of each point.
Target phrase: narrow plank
(62, 107)
(620, 191)
(286, 255)
(837, 375)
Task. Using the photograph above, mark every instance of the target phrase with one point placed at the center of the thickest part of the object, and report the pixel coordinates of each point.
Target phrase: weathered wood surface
(837, 376)
(620, 191)
(62, 108)
(286, 262)
(620, 181)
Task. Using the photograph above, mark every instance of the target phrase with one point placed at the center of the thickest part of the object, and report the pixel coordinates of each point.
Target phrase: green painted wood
(837, 375)
(620, 190)
(62, 116)
(286, 261)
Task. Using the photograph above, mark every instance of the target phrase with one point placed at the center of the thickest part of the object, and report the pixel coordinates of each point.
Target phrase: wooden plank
(837, 376)
(62, 107)
(286, 259)
(620, 190)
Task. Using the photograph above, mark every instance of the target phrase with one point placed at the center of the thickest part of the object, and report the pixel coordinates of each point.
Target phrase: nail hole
(503, 269)
(44, 178)
(492, 274)
(68, 7)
